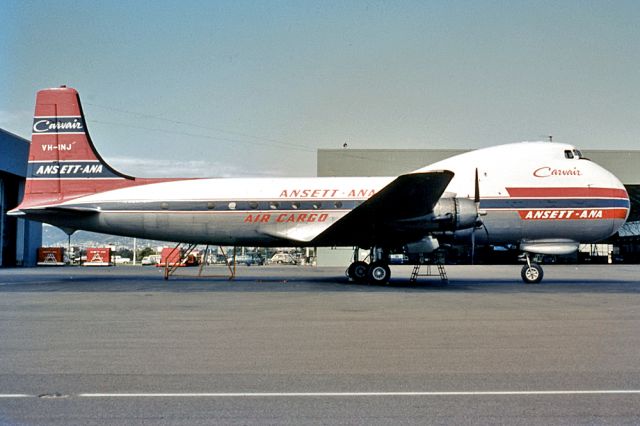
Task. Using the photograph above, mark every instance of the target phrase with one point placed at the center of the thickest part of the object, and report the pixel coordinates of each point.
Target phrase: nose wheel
(531, 272)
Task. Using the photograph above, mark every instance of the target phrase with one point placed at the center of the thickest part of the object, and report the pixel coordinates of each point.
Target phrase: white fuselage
(528, 191)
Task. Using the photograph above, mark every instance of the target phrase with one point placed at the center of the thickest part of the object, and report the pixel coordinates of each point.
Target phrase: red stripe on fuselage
(567, 192)
(572, 214)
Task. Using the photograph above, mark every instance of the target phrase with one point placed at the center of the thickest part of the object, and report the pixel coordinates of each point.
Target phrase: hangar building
(393, 162)
(19, 238)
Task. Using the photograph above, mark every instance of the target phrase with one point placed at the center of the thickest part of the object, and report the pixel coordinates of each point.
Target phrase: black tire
(532, 274)
(358, 271)
(379, 273)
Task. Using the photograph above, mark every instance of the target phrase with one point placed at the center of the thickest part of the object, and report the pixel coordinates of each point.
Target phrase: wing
(381, 219)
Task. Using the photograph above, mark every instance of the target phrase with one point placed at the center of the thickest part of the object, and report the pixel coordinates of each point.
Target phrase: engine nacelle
(425, 245)
(455, 213)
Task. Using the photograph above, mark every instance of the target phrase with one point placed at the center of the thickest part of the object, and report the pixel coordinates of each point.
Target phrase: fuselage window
(211, 205)
(317, 205)
(273, 205)
(568, 154)
(338, 204)
(253, 205)
(232, 205)
(164, 206)
(295, 205)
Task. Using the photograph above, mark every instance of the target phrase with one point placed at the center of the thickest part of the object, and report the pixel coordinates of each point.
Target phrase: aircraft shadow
(76, 280)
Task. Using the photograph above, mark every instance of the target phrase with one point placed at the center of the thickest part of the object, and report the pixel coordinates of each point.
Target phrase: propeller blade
(476, 197)
(473, 246)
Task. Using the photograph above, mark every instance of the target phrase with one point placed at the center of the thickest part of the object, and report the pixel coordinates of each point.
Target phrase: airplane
(544, 197)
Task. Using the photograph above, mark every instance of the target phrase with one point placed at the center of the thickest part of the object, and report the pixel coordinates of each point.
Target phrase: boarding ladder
(171, 268)
(441, 272)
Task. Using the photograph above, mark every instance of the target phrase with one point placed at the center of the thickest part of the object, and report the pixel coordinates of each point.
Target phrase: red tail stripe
(568, 192)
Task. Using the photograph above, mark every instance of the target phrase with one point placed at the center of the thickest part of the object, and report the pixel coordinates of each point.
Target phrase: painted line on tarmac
(331, 394)
(354, 394)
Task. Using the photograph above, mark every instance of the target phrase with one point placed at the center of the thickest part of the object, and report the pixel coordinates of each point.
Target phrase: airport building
(393, 162)
(19, 238)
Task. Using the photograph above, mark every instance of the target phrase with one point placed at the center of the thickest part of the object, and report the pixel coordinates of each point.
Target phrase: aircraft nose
(628, 203)
(621, 201)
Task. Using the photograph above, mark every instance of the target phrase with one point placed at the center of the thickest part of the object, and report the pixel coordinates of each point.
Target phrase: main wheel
(532, 274)
(358, 271)
(379, 273)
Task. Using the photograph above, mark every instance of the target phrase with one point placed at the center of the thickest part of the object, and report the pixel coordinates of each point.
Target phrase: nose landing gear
(531, 272)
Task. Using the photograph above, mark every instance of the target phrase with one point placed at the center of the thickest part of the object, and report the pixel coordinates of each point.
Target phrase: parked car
(119, 260)
(150, 260)
(283, 258)
(246, 259)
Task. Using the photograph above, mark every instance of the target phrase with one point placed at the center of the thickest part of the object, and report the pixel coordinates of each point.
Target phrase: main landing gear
(376, 272)
(531, 272)
(358, 271)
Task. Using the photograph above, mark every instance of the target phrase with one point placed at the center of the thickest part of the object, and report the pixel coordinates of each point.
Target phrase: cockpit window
(577, 153)
(568, 154)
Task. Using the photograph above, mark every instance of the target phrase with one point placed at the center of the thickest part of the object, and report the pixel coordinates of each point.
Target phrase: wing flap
(302, 233)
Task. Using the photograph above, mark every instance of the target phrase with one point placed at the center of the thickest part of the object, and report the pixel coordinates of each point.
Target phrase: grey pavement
(67, 332)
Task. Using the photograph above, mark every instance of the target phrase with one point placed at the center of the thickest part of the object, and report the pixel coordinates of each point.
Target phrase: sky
(254, 88)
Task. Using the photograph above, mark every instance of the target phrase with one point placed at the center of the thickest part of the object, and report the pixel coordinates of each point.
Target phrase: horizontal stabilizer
(74, 209)
(63, 210)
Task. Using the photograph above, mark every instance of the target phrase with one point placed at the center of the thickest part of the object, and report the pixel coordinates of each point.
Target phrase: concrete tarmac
(302, 345)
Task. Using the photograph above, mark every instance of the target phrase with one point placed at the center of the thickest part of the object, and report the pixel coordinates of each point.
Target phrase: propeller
(473, 245)
(479, 224)
(476, 195)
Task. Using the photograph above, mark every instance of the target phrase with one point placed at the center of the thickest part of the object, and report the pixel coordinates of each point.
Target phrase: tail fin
(63, 162)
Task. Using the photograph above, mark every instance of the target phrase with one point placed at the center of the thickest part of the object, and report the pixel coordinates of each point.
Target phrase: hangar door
(8, 224)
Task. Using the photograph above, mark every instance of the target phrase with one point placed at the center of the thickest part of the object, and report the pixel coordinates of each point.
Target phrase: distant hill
(55, 237)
